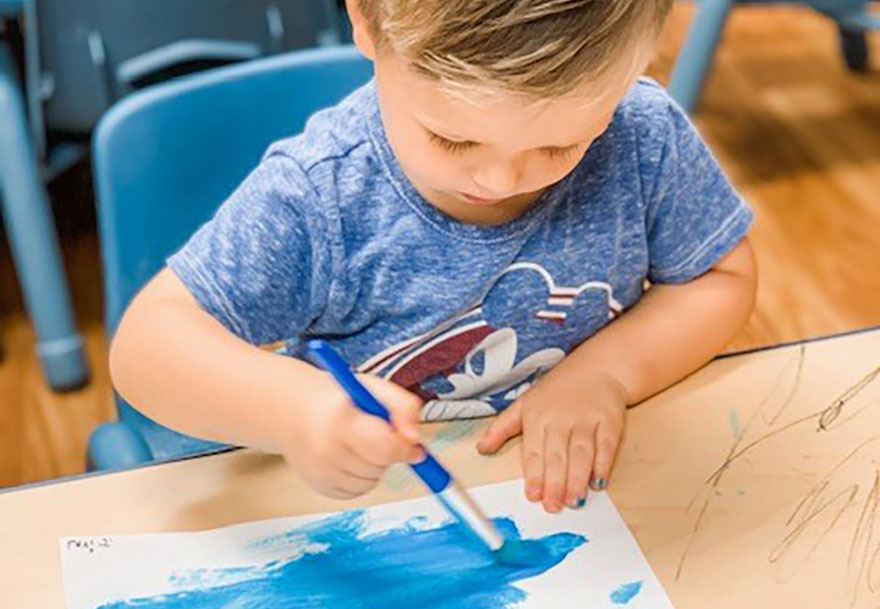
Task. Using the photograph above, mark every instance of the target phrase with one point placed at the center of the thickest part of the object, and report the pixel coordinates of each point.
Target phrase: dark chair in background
(80, 57)
(164, 160)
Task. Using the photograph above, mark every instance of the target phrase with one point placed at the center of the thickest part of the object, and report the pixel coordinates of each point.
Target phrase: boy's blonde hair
(536, 48)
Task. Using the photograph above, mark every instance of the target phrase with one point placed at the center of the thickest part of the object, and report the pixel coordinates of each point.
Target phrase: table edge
(227, 449)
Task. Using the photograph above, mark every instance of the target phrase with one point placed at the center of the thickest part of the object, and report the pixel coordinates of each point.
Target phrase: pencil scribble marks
(797, 365)
(334, 563)
(829, 499)
(830, 414)
(820, 511)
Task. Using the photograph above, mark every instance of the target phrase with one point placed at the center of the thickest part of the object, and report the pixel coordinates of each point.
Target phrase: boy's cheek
(420, 161)
(427, 169)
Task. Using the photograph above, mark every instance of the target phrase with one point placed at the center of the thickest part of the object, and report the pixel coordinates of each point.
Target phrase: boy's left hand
(571, 428)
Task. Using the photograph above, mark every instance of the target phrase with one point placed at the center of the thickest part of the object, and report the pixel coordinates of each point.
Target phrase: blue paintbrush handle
(429, 470)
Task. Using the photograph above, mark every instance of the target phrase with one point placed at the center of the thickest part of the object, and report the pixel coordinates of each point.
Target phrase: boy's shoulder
(331, 134)
(646, 124)
(648, 109)
(647, 93)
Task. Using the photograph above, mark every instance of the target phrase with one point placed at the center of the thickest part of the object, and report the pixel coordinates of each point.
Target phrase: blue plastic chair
(10, 8)
(164, 161)
(695, 58)
(31, 229)
(79, 57)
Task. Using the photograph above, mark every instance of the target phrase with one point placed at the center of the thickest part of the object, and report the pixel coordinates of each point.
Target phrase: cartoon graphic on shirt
(472, 367)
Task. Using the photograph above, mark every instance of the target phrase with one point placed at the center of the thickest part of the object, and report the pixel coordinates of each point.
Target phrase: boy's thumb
(405, 411)
(505, 426)
(405, 407)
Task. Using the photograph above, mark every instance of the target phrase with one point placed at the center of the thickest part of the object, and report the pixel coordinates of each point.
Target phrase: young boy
(473, 230)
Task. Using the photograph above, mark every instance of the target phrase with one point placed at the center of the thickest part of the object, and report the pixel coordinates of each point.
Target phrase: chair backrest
(166, 157)
(90, 53)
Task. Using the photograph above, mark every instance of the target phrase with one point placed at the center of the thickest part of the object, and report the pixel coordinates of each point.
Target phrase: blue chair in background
(81, 56)
(28, 220)
(164, 160)
(852, 17)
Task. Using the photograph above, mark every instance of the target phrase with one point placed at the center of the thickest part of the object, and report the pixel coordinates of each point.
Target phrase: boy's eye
(561, 153)
(449, 145)
(461, 146)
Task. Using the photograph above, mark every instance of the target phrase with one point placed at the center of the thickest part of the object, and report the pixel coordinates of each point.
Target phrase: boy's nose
(497, 181)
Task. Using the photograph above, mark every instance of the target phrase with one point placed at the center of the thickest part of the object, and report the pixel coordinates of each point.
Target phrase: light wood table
(753, 483)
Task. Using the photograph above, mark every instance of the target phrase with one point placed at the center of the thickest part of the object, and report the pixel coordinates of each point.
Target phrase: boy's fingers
(347, 487)
(555, 468)
(416, 454)
(359, 486)
(361, 438)
(405, 418)
(374, 441)
(336, 493)
(607, 438)
(355, 465)
(580, 466)
(533, 461)
(405, 409)
(506, 425)
(337, 483)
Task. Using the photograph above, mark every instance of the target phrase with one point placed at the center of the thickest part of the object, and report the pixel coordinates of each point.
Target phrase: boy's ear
(360, 29)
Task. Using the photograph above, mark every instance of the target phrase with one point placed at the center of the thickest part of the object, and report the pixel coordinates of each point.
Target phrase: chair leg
(854, 47)
(853, 24)
(34, 244)
(114, 445)
(696, 54)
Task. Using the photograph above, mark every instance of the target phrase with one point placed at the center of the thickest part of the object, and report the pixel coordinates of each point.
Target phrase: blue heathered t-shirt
(327, 238)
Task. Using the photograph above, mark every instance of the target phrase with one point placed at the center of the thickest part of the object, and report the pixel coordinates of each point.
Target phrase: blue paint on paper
(335, 564)
(625, 593)
(733, 417)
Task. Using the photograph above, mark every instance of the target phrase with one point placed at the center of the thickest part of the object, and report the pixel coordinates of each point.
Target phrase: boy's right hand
(341, 451)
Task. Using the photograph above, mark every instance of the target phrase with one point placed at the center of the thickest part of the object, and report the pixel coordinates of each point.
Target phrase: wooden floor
(798, 134)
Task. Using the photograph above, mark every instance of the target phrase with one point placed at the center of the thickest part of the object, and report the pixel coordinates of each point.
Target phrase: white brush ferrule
(457, 501)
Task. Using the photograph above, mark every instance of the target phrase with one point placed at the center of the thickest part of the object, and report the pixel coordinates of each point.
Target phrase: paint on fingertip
(600, 484)
(581, 502)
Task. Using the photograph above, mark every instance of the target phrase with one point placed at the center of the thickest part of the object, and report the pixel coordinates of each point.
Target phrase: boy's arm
(674, 329)
(579, 406)
(181, 367)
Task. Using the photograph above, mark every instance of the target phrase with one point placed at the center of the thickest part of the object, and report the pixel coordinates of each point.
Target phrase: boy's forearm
(671, 332)
(182, 368)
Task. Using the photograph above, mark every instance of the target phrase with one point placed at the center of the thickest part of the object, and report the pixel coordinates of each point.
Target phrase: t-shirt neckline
(437, 218)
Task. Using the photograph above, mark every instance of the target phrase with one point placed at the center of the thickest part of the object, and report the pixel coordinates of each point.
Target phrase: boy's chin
(480, 201)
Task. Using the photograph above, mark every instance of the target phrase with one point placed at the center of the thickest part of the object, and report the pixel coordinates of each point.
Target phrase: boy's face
(485, 159)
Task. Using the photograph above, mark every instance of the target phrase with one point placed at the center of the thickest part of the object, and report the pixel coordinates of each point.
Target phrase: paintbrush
(436, 477)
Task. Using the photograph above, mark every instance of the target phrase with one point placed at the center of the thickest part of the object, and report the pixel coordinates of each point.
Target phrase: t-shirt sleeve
(694, 215)
(257, 265)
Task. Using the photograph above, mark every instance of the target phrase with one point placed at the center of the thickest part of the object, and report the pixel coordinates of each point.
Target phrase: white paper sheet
(398, 554)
